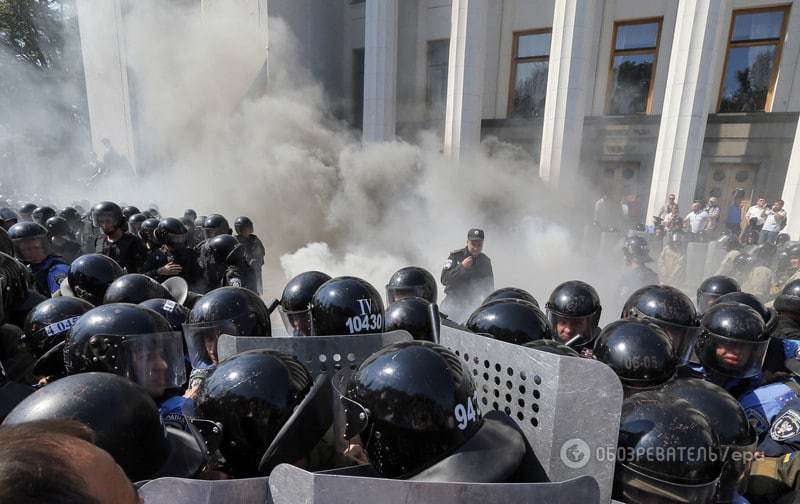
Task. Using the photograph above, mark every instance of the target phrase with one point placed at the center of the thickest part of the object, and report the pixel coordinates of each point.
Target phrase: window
(633, 66)
(751, 64)
(529, 73)
(436, 88)
(358, 88)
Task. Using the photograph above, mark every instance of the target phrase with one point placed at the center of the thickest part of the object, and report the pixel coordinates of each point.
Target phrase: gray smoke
(321, 199)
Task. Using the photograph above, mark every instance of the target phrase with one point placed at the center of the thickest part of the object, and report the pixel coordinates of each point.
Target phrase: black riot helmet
(416, 315)
(251, 394)
(636, 248)
(89, 277)
(215, 225)
(171, 232)
(27, 235)
(26, 211)
(130, 211)
(510, 320)
(147, 230)
(130, 341)
(712, 288)
(346, 305)
(107, 215)
(573, 311)
(295, 302)
(49, 322)
(782, 239)
(41, 214)
(652, 423)
(190, 214)
(737, 438)
(733, 341)
(226, 310)
(124, 418)
(6, 245)
(793, 250)
(670, 309)
(553, 347)
(639, 352)
(8, 217)
(135, 223)
(58, 226)
(441, 411)
(72, 216)
(242, 223)
(134, 288)
(791, 289)
(175, 313)
(226, 249)
(768, 315)
(411, 281)
(15, 284)
(511, 293)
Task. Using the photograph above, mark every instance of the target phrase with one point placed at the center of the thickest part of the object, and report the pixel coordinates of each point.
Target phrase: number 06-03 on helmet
(418, 416)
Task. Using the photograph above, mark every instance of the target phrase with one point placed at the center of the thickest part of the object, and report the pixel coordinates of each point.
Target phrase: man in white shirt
(696, 220)
(758, 211)
(773, 223)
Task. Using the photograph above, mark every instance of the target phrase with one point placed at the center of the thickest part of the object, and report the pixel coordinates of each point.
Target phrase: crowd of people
(111, 372)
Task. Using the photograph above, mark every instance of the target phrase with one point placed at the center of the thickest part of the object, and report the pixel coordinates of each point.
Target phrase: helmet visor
(631, 485)
(154, 361)
(176, 240)
(397, 293)
(201, 341)
(683, 337)
(577, 330)
(731, 357)
(32, 250)
(104, 219)
(298, 322)
(704, 301)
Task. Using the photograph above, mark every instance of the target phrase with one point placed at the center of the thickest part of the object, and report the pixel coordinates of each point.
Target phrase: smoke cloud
(319, 198)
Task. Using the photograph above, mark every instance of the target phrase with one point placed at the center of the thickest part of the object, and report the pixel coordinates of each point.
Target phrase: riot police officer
(573, 311)
(510, 320)
(8, 218)
(32, 247)
(411, 281)
(90, 276)
(178, 258)
(712, 288)
(415, 315)
(346, 305)
(118, 244)
(440, 423)
(253, 246)
(227, 264)
(62, 239)
(636, 273)
(467, 277)
(295, 302)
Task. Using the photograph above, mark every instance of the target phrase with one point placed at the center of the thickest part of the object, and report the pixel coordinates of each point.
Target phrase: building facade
(637, 97)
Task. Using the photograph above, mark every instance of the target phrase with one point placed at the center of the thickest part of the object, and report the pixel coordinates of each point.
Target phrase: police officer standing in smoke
(467, 277)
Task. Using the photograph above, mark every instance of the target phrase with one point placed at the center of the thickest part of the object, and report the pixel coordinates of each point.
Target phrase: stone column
(106, 73)
(380, 70)
(791, 190)
(690, 93)
(567, 88)
(462, 126)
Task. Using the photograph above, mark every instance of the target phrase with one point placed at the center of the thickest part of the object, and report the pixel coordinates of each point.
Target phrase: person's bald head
(57, 461)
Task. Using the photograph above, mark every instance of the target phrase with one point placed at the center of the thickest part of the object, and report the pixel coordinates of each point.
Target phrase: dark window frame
(648, 109)
(777, 42)
(516, 60)
(428, 66)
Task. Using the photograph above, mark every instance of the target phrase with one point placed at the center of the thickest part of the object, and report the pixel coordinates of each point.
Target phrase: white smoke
(319, 198)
